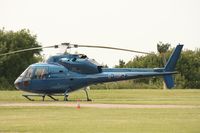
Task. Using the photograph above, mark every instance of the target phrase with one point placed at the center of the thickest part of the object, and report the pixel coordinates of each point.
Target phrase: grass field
(129, 96)
(113, 120)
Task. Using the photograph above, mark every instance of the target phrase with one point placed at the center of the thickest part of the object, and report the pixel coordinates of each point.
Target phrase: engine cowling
(83, 66)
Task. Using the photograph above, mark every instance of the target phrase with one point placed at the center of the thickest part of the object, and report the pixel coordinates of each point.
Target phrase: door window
(41, 73)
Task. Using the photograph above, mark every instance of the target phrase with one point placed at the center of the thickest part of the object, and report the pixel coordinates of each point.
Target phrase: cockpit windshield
(27, 73)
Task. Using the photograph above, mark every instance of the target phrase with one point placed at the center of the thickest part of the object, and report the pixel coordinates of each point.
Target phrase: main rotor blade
(28, 49)
(103, 47)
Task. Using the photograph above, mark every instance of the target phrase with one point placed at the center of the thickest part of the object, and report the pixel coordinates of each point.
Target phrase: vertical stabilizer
(171, 64)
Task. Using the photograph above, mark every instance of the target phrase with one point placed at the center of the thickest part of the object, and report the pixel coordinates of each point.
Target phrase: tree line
(188, 67)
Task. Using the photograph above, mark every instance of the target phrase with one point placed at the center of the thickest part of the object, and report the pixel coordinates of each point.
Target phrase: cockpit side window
(40, 73)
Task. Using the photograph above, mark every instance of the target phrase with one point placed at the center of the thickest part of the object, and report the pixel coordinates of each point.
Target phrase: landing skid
(27, 96)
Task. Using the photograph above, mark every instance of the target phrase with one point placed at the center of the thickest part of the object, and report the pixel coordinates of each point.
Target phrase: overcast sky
(131, 24)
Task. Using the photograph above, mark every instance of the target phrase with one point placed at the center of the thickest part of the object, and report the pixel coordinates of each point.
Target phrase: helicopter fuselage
(54, 78)
(64, 75)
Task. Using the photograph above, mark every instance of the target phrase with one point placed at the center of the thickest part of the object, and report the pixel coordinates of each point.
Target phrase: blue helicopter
(66, 73)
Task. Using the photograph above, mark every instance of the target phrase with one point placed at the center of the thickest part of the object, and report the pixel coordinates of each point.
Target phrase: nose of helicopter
(18, 83)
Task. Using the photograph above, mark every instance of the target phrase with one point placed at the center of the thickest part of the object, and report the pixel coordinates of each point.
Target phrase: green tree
(162, 49)
(189, 68)
(121, 63)
(11, 66)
